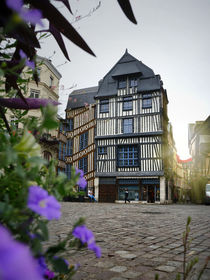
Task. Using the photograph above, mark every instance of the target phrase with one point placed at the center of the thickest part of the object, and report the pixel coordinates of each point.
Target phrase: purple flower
(28, 63)
(76, 266)
(43, 204)
(84, 234)
(86, 237)
(82, 183)
(93, 247)
(44, 271)
(16, 260)
(33, 103)
(49, 274)
(33, 16)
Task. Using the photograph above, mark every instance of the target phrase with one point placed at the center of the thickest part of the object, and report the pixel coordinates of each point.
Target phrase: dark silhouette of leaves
(66, 3)
(60, 23)
(59, 39)
(127, 9)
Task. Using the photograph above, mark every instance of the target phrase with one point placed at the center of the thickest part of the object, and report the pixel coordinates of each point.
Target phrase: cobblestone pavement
(137, 241)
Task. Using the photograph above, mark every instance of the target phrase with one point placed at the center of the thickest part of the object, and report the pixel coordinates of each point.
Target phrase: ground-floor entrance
(147, 190)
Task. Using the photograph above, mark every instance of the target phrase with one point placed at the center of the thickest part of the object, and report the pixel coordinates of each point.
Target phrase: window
(47, 155)
(61, 127)
(83, 141)
(122, 83)
(147, 95)
(61, 170)
(34, 93)
(83, 164)
(147, 101)
(60, 151)
(104, 106)
(68, 171)
(70, 125)
(102, 150)
(133, 82)
(127, 103)
(51, 81)
(69, 147)
(127, 126)
(127, 156)
(64, 151)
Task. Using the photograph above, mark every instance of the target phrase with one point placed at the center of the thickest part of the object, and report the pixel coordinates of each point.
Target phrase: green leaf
(53, 250)
(36, 246)
(44, 229)
(59, 265)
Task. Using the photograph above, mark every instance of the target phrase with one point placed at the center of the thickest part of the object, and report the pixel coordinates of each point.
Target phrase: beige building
(48, 88)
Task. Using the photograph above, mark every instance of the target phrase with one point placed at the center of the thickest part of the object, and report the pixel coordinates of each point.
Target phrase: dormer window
(133, 82)
(122, 83)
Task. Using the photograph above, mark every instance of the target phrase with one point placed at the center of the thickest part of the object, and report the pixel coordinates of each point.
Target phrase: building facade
(131, 130)
(47, 88)
(199, 147)
(79, 130)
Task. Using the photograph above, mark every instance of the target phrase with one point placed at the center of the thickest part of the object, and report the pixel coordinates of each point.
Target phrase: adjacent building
(47, 88)
(199, 146)
(79, 129)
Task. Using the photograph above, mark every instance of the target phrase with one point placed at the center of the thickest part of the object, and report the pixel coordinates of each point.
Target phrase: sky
(171, 37)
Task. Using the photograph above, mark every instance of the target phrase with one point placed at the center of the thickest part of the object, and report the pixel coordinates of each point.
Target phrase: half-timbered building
(79, 128)
(131, 116)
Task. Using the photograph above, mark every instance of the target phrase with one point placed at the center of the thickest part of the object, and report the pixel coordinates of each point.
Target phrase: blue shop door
(133, 192)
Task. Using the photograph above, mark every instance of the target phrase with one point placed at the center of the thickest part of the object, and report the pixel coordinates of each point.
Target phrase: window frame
(128, 101)
(146, 103)
(60, 151)
(146, 100)
(135, 82)
(69, 147)
(68, 170)
(83, 140)
(64, 151)
(47, 155)
(129, 154)
(102, 150)
(104, 106)
(123, 125)
(122, 83)
(83, 164)
(34, 93)
(70, 124)
(51, 81)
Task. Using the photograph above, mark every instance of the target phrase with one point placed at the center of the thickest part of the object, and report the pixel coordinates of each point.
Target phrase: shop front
(145, 190)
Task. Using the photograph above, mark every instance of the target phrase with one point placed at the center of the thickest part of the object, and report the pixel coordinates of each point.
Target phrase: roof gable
(81, 97)
(128, 65)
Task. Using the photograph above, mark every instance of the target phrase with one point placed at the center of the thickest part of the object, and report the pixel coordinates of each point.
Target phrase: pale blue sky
(172, 38)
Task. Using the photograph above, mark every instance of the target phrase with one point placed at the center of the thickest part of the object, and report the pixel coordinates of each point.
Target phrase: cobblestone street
(137, 241)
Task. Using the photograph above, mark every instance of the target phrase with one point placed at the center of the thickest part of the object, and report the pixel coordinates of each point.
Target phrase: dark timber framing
(149, 126)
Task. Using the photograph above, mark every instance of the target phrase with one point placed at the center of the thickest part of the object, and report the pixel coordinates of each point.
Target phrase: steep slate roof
(79, 98)
(129, 65)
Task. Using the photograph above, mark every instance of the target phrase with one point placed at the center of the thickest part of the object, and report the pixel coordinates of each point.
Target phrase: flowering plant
(29, 199)
(30, 188)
